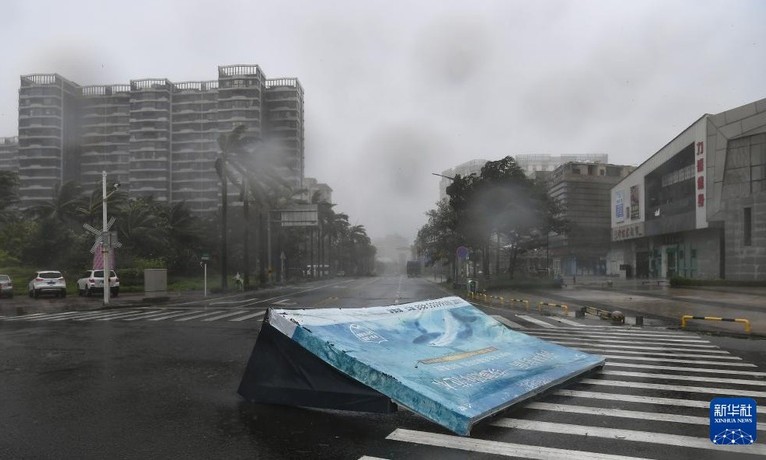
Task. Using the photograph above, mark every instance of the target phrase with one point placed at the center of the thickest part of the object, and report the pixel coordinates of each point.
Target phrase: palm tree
(67, 198)
(227, 144)
(141, 227)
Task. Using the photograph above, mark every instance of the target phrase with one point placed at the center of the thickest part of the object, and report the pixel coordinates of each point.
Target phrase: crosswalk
(235, 314)
(651, 400)
(145, 314)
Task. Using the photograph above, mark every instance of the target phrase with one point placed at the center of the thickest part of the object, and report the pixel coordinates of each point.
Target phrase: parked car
(92, 281)
(6, 286)
(47, 282)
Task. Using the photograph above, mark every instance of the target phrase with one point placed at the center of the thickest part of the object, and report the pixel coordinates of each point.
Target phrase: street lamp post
(106, 240)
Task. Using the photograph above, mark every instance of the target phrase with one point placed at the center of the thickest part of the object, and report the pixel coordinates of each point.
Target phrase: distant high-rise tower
(157, 138)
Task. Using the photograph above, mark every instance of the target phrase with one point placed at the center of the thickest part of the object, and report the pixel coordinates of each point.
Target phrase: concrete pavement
(657, 302)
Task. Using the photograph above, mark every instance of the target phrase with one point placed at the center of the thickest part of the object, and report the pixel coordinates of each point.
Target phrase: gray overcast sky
(396, 90)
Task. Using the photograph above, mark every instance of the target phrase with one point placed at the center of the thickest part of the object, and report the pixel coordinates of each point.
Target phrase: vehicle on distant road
(413, 268)
(92, 281)
(6, 286)
(47, 282)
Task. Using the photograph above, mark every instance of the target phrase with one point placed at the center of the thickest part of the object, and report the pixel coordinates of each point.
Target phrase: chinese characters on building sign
(700, 175)
(628, 231)
(619, 206)
(635, 208)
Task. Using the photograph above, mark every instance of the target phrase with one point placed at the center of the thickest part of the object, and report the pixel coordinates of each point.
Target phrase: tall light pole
(106, 240)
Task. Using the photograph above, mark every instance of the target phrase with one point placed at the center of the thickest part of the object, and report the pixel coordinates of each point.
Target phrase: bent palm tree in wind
(253, 166)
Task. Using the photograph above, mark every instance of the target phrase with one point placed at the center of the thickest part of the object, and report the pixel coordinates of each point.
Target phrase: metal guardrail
(746, 322)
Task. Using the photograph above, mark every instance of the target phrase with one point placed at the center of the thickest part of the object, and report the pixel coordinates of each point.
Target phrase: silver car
(6, 286)
(47, 282)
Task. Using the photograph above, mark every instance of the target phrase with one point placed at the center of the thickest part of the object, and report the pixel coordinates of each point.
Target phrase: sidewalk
(658, 301)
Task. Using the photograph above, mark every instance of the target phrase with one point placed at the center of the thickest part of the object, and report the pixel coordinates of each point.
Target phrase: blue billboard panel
(442, 358)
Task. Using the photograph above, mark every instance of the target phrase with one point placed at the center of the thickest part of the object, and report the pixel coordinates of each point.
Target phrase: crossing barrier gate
(540, 306)
(716, 318)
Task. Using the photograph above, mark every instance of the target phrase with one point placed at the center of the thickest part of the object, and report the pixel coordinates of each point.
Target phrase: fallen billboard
(442, 358)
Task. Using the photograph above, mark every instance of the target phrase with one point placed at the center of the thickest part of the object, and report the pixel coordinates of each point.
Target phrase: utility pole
(224, 221)
(106, 242)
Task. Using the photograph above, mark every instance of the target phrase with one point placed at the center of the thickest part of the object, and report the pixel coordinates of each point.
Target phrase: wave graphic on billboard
(442, 358)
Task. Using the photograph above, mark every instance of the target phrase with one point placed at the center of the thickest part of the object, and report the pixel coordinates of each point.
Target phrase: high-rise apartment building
(9, 154)
(156, 137)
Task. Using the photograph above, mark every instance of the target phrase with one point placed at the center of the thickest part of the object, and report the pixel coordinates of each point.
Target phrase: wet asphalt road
(161, 383)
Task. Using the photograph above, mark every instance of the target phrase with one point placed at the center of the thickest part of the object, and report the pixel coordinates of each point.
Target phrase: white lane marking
(174, 315)
(285, 302)
(148, 315)
(686, 369)
(215, 318)
(82, 314)
(672, 360)
(367, 457)
(702, 348)
(497, 448)
(622, 330)
(625, 435)
(229, 302)
(103, 314)
(508, 322)
(681, 388)
(691, 378)
(124, 315)
(637, 338)
(536, 321)
(201, 315)
(598, 350)
(568, 321)
(620, 413)
(55, 315)
(634, 398)
(632, 347)
(25, 317)
(254, 315)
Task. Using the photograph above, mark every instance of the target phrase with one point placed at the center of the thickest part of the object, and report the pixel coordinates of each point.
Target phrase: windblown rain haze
(395, 90)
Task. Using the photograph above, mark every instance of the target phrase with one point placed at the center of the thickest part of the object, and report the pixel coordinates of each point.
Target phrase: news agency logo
(733, 421)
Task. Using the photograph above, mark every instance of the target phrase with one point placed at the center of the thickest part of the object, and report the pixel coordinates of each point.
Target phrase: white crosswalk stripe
(143, 314)
(251, 316)
(648, 399)
(614, 433)
(534, 320)
(508, 322)
(225, 315)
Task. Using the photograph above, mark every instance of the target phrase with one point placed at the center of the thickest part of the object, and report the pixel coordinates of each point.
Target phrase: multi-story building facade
(316, 191)
(156, 137)
(583, 191)
(697, 207)
(9, 154)
(532, 163)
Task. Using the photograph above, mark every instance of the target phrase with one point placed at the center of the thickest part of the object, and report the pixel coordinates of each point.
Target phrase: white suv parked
(47, 282)
(93, 281)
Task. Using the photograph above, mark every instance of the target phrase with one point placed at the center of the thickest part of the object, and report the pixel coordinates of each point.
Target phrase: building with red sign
(697, 207)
